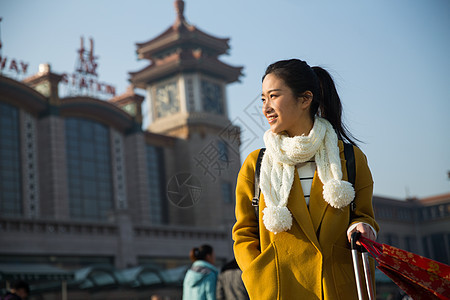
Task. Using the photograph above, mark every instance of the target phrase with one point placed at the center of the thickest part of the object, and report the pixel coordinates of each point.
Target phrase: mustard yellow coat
(312, 260)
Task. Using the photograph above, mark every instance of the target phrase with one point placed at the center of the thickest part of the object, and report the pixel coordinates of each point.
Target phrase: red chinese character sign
(87, 64)
(84, 81)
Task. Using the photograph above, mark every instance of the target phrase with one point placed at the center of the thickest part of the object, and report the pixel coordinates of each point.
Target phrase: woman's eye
(263, 100)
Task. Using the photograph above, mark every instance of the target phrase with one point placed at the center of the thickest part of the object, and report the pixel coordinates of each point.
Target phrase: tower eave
(212, 67)
(177, 37)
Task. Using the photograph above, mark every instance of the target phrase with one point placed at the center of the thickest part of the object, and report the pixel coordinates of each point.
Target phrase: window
(392, 239)
(155, 169)
(227, 194)
(385, 212)
(425, 213)
(88, 169)
(223, 151)
(404, 214)
(425, 246)
(433, 212)
(410, 242)
(440, 249)
(441, 209)
(10, 175)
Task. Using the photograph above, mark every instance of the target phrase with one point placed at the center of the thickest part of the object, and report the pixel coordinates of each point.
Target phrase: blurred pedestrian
(20, 290)
(201, 279)
(297, 244)
(229, 283)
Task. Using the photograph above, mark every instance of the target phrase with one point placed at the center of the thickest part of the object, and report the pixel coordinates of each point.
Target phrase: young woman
(298, 247)
(200, 280)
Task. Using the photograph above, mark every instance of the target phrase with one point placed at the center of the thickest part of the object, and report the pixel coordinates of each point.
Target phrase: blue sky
(390, 60)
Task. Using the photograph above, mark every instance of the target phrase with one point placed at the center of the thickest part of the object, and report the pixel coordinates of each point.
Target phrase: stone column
(53, 168)
(125, 254)
(137, 179)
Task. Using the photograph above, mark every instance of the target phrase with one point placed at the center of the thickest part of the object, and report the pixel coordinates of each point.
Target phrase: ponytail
(300, 77)
(327, 104)
(200, 253)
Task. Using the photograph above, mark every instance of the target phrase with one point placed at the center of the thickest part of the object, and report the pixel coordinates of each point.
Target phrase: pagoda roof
(185, 61)
(183, 48)
(182, 34)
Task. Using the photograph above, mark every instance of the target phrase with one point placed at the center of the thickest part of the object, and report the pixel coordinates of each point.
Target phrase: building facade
(420, 226)
(83, 185)
(92, 202)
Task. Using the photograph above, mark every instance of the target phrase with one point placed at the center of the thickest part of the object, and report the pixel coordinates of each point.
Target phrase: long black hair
(300, 77)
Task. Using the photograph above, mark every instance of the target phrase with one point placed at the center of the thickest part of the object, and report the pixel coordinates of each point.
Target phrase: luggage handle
(365, 258)
(374, 248)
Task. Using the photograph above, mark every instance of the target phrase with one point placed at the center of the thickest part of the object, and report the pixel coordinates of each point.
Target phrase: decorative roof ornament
(183, 48)
(179, 8)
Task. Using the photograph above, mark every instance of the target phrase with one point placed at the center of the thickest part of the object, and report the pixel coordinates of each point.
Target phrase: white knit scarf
(278, 166)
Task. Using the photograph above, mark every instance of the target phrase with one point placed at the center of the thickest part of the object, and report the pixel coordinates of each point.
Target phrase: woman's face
(283, 110)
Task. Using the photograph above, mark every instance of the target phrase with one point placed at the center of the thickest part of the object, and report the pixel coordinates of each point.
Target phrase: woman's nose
(266, 107)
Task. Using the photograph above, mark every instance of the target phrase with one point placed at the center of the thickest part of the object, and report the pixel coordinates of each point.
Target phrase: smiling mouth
(271, 119)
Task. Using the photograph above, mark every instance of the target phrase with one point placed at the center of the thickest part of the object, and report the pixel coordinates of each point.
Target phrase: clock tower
(185, 81)
(186, 94)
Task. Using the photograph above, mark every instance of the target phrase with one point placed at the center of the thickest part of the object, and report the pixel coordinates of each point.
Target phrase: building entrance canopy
(46, 278)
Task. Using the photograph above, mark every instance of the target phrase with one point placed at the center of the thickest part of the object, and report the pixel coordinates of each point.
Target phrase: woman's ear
(306, 99)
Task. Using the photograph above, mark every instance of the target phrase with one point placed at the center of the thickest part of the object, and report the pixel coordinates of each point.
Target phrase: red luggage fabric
(420, 277)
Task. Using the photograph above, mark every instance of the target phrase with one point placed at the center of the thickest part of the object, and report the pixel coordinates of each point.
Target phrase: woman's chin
(275, 129)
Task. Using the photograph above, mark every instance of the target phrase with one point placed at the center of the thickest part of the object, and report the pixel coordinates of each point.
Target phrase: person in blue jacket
(200, 280)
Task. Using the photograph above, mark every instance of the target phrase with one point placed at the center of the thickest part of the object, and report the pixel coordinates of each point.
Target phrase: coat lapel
(317, 205)
(299, 210)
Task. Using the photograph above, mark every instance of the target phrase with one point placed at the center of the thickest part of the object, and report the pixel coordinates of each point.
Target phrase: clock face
(212, 97)
(167, 102)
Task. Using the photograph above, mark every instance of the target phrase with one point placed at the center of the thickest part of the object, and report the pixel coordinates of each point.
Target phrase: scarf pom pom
(338, 193)
(277, 219)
